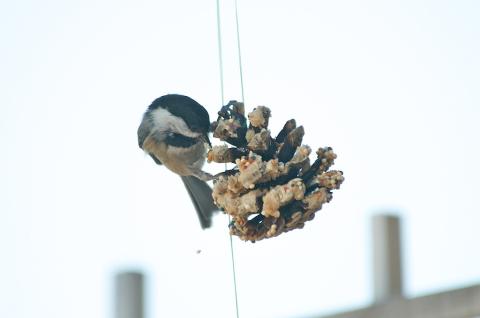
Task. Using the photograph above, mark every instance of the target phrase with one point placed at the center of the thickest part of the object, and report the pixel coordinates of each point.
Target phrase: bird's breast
(180, 160)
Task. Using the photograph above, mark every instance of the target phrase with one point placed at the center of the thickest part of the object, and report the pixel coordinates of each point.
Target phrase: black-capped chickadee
(174, 132)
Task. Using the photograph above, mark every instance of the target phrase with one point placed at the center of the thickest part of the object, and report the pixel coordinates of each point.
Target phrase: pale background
(392, 86)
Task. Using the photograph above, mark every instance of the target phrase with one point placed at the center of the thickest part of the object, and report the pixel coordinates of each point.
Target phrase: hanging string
(232, 256)
(220, 53)
(220, 63)
(243, 101)
(239, 53)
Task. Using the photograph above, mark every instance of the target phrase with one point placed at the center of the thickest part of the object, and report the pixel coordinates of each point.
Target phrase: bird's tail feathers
(201, 195)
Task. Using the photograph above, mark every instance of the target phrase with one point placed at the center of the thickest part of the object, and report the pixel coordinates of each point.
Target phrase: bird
(174, 132)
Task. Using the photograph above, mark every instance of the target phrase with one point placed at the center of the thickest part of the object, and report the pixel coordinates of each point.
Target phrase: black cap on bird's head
(195, 115)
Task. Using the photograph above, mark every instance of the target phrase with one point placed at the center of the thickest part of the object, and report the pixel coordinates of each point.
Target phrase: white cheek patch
(164, 121)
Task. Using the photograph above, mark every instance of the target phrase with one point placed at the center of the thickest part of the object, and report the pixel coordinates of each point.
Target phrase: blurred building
(389, 300)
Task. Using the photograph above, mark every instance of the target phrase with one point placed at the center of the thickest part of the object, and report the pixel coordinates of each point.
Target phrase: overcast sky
(392, 86)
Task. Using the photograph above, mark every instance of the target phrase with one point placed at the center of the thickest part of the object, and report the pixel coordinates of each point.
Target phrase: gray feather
(201, 195)
(144, 129)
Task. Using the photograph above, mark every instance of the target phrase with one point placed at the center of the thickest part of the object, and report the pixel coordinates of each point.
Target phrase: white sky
(392, 86)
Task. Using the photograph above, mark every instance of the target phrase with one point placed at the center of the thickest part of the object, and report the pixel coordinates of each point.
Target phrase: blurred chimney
(129, 294)
(387, 260)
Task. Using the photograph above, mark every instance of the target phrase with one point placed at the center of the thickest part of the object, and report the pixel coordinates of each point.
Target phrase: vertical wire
(220, 53)
(243, 101)
(220, 62)
(232, 255)
(239, 52)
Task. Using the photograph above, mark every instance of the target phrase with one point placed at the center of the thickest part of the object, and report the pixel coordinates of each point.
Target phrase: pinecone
(273, 189)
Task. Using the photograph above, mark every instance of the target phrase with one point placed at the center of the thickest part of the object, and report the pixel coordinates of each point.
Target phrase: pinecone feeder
(273, 189)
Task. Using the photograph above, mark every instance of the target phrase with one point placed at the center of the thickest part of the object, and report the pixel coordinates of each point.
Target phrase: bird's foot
(204, 176)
